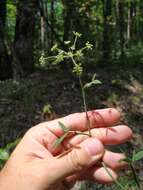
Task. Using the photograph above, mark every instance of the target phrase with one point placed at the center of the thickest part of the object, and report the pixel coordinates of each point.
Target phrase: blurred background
(32, 91)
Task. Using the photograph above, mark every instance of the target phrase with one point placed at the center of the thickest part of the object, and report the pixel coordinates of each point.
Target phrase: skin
(36, 164)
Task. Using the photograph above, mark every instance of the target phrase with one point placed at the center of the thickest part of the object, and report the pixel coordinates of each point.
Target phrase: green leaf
(54, 48)
(96, 82)
(137, 156)
(4, 155)
(93, 77)
(67, 42)
(63, 127)
(88, 85)
(77, 34)
(12, 145)
(60, 140)
(127, 160)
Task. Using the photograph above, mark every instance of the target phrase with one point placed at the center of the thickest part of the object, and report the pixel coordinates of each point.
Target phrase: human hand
(36, 164)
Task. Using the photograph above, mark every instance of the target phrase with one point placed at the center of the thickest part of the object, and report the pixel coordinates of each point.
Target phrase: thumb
(86, 154)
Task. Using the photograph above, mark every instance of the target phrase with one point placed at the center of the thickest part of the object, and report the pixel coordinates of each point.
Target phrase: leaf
(137, 156)
(93, 77)
(12, 145)
(60, 140)
(63, 127)
(94, 82)
(4, 155)
(127, 160)
(67, 42)
(77, 34)
(54, 48)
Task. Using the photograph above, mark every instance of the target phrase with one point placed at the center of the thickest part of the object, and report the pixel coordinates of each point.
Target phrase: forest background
(32, 91)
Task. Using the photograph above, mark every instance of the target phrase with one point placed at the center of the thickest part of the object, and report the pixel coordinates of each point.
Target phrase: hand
(36, 164)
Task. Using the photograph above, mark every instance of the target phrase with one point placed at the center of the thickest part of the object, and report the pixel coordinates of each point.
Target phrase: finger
(78, 121)
(95, 173)
(86, 154)
(100, 175)
(113, 160)
(108, 136)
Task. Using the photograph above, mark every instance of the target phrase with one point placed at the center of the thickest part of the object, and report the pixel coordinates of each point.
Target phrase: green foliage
(137, 156)
(11, 19)
(110, 175)
(131, 160)
(5, 152)
(93, 82)
(62, 138)
(135, 54)
(63, 127)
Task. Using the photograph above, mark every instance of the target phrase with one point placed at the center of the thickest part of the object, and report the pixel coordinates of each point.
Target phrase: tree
(5, 61)
(24, 37)
(107, 30)
(69, 8)
(121, 26)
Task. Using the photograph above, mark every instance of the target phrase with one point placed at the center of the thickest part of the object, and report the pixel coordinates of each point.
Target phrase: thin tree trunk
(24, 37)
(42, 33)
(68, 16)
(52, 20)
(130, 21)
(45, 30)
(5, 61)
(48, 25)
(140, 35)
(121, 26)
(107, 31)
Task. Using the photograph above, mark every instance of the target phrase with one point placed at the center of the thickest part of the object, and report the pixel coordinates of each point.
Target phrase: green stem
(74, 62)
(117, 182)
(75, 40)
(84, 100)
(135, 175)
(85, 105)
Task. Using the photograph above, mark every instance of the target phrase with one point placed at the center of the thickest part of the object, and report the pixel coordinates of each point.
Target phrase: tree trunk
(68, 16)
(140, 36)
(107, 31)
(121, 26)
(131, 9)
(48, 25)
(24, 37)
(45, 39)
(5, 61)
(52, 20)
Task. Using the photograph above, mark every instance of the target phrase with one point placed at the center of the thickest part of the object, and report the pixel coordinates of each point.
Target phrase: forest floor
(22, 102)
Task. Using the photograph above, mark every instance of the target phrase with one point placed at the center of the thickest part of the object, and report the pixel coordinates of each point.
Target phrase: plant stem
(85, 105)
(74, 44)
(135, 175)
(80, 133)
(84, 99)
(117, 182)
